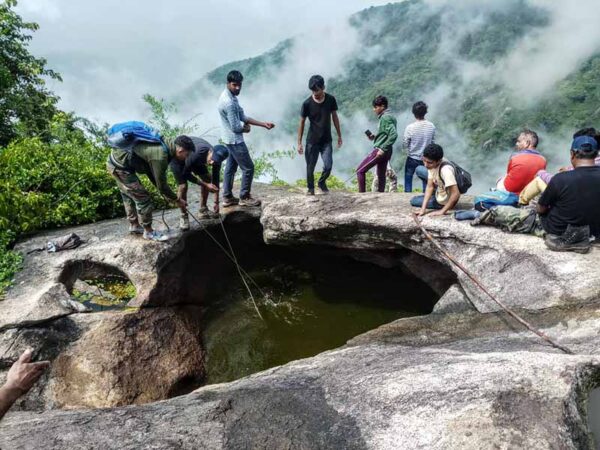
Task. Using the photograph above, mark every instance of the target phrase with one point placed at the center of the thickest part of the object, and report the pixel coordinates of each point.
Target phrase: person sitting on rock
(196, 165)
(523, 165)
(153, 161)
(543, 177)
(20, 378)
(441, 193)
(568, 212)
(382, 146)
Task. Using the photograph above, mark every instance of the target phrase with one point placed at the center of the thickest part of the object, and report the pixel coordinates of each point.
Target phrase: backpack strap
(443, 164)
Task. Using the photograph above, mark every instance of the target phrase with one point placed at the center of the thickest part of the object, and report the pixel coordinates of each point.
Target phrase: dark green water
(310, 307)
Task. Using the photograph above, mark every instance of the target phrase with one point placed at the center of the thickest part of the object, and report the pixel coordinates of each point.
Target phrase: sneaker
(184, 222)
(205, 213)
(136, 229)
(230, 201)
(322, 191)
(249, 201)
(156, 236)
(310, 192)
(574, 239)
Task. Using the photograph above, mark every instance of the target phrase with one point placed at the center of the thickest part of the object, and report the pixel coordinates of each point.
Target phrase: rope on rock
(474, 279)
(233, 258)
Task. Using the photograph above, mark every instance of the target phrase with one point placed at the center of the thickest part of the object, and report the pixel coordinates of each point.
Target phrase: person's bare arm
(258, 123)
(452, 201)
(428, 194)
(301, 134)
(21, 377)
(338, 129)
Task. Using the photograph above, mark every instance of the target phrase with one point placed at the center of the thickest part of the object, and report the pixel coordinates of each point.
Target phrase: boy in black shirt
(196, 164)
(320, 108)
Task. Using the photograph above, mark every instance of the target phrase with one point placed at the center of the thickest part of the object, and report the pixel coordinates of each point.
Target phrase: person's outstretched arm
(338, 129)
(301, 134)
(258, 123)
(21, 377)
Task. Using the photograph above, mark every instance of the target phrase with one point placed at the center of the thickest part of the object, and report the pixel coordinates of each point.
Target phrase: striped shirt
(232, 118)
(417, 136)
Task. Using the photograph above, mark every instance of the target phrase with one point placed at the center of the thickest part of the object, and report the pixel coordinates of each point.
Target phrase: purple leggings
(370, 161)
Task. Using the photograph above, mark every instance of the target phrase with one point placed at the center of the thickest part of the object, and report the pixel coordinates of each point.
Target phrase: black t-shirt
(195, 164)
(319, 116)
(573, 198)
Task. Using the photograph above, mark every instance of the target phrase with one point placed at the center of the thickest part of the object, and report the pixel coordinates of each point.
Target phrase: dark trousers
(409, 171)
(373, 160)
(238, 156)
(311, 154)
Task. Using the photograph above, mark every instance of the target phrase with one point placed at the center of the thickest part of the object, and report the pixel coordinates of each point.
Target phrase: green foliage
(10, 263)
(333, 183)
(52, 184)
(265, 163)
(160, 117)
(26, 106)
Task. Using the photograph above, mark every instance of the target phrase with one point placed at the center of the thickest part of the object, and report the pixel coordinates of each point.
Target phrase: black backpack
(463, 178)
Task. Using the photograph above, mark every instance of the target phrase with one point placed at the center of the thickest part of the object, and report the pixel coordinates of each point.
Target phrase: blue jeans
(409, 170)
(238, 156)
(417, 202)
(311, 154)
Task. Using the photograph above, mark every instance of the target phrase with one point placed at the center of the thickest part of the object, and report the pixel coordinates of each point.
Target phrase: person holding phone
(383, 143)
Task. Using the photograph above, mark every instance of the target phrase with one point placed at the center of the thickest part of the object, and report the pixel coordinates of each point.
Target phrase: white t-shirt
(447, 179)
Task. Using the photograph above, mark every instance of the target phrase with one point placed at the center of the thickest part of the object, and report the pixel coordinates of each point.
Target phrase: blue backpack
(126, 135)
(483, 202)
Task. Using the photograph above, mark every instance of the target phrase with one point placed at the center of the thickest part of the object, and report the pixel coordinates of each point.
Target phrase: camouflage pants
(391, 176)
(514, 220)
(136, 198)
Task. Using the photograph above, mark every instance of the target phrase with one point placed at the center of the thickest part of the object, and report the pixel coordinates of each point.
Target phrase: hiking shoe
(136, 229)
(310, 192)
(230, 201)
(574, 239)
(156, 236)
(205, 213)
(184, 222)
(323, 190)
(249, 201)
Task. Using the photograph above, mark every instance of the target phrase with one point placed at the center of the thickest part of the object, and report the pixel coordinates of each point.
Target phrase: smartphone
(368, 133)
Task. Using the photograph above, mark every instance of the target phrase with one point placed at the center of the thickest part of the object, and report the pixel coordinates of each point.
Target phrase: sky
(112, 52)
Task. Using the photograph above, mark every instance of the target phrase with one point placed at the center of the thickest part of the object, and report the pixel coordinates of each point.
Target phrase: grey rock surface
(466, 376)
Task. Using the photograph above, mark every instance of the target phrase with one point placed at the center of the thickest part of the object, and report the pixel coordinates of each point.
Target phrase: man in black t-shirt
(196, 165)
(320, 108)
(570, 206)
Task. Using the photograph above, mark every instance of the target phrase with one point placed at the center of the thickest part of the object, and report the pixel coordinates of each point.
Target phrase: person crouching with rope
(195, 169)
(152, 160)
(383, 142)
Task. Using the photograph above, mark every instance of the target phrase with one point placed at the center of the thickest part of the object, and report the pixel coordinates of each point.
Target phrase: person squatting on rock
(523, 164)
(151, 160)
(417, 136)
(442, 192)
(392, 178)
(320, 108)
(233, 124)
(543, 177)
(20, 378)
(568, 212)
(195, 170)
(382, 146)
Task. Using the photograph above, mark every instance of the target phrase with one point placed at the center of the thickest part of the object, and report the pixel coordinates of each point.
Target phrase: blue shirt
(232, 118)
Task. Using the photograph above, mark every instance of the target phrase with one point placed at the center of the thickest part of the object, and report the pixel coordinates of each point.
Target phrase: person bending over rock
(196, 165)
(382, 146)
(151, 160)
(441, 193)
(543, 177)
(20, 378)
(568, 212)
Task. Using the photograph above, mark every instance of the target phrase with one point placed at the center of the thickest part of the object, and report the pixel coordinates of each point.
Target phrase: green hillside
(403, 57)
